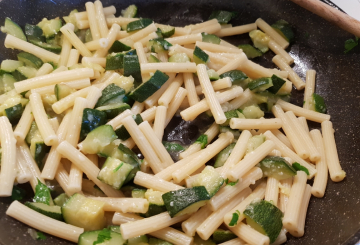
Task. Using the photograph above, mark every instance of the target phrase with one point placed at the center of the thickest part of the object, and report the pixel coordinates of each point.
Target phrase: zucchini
(148, 88)
(97, 139)
(202, 140)
(84, 212)
(91, 119)
(72, 19)
(112, 110)
(114, 172)
(13, 29)
(114, 228)
(12, 101)
(114, 61)
(250, 51)
(34, 31)
(50, 27)
(210, 38)
(111, 94)
(138, 193)
(252, 112)
(254, 142)
(153, 59)
(237, 77)
(232, 114)
(277, 82)
(317, 103)
(185, 201)
(199, 241)
(7, 83)
(104, 236)
(213, 75)
(138, 240)
(30, 60)
(118, 47)
(199, 56)
(210, 179)
(179, 58)
(128, 156)
(33, 133)
(132, 68)
(63, 90)
(24, 72)
(138, 24)
(14, 113)
(10, 65)
(156, 241)
(88, 36)
(126, 83)
(221, 236)
(277, 167)
(39, 151)
(260, 84)
(223, 155)
(260, 40)
(264, 217)
(158, 45)
(166, 30)
(129, 12)
(52, 47)
(50, 211)
(156, 203)
(284, 29)
(122, 133)
(61, 199)
(235, 132)
(222, 16)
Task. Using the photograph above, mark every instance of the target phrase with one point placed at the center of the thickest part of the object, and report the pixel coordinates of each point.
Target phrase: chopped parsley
(299, 167)
(42, 193)
(235, 218)
(350, 44)
(118, 167)
(227, 182)
(202, 140)
(103, 236)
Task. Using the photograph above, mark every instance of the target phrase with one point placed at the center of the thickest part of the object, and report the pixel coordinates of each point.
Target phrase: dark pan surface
(335, 219)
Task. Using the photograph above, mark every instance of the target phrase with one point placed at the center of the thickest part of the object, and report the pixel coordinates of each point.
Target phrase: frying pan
(334, 219)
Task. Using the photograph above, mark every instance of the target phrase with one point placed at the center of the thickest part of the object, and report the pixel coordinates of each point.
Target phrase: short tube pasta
(24, 124)
(309, 88)
(239, 123)
(153, 182)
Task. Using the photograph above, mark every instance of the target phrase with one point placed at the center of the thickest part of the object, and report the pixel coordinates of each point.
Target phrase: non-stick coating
(319, 45)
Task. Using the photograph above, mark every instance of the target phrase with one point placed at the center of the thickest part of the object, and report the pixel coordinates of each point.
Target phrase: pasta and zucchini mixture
(86, 104)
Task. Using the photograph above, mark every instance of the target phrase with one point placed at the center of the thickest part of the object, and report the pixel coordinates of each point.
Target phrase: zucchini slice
(91, 237)
(148, 88)
(132, 68)
(220, 236)
(210, 38)
(61, 199)
(179, 58)
(260, 40)
(50, 211)
(24, 72)
(277, 167)
(185, 201)
(138, 24)
(264, 217)
(153, 59)
(237, 77)
(138, 240)
(114, 61)
(50, 27)
(158, 45)
(122, 133)
(223, 155)
(39, 151)
(235, 132)
(34, 31)
(84, 212)
(166, 30)
(111, 94)
(252, 112)
(284, 29)
(10, 65)
(91, 119)
(118, 47)
(129, 12)
(260, 84)
(52, 47)
(213, 75)
(250, 51)
(254, 142)
(30, 60)
(114, 172)
(199, 56)
(7, 82)
(112, 110)
(156, 203)
(13, 29)
(97, 139)
(317, 103)
(138, 193)
(277, 84)
(63, 90)
(222, 16)
(210, 179)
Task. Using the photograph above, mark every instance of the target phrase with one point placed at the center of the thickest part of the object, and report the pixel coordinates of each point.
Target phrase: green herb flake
(42, 193)
(227, 182)
(103, 236)
(202, 140)
(40, 236)
(118, 167)
(299, 167)
(350, 44)
(18, 193)
(235, 218)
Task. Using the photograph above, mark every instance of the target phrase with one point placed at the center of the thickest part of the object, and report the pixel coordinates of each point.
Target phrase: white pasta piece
(156, 144)
(217, 48)
(73, 57)
(159, 124)
(24, 124)
(211, 133)
(299, 230)
(281, 239)
(111, 37)
(93, 96)
(234, 64)
(210, 29)
(192, 112)
(228, 191)
(77, 84)
(110, 10)
(217, 85)
(291, 216)
(8, 157)
(227, 44)
(91, 17)
(286, 152)
(240, 100)
(168, 234)
(85, 165)
(14, 42)
(272, 190)
(190, 225)
(137, 107)
(155, 183)
(65, 51)
(309, 88)
(46, 68)
(265, 27)
(294, 78)
(237, 30)
(321, 178)
(124, 205)
(301, 112)
(68, 101)
(62, 177)
(23, 175)
(120, 21)
(249, 235)
(97, 44)
(170, 92)
(202, 25)
(175, 104)
(188, 39)
(258, 193)
(100, 17)
(239, 123)
(117, 121)
(140, 52)
(130, 40)
(146, 39)
(209, 152)
(67, 31)
(250, 160)
(285, 187)
(235, 241)
(214, 220)
(283, 74)
(53, 78)
(303, 123)
(291, 132)
(43, 223)
(149, 114)
(280, 51)
(41, 119)
(148, 225)
(153, 99)
(168, 67)
(282, 137)
(332, 158)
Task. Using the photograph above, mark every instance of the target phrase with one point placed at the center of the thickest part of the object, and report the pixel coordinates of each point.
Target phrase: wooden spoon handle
(332, 15)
